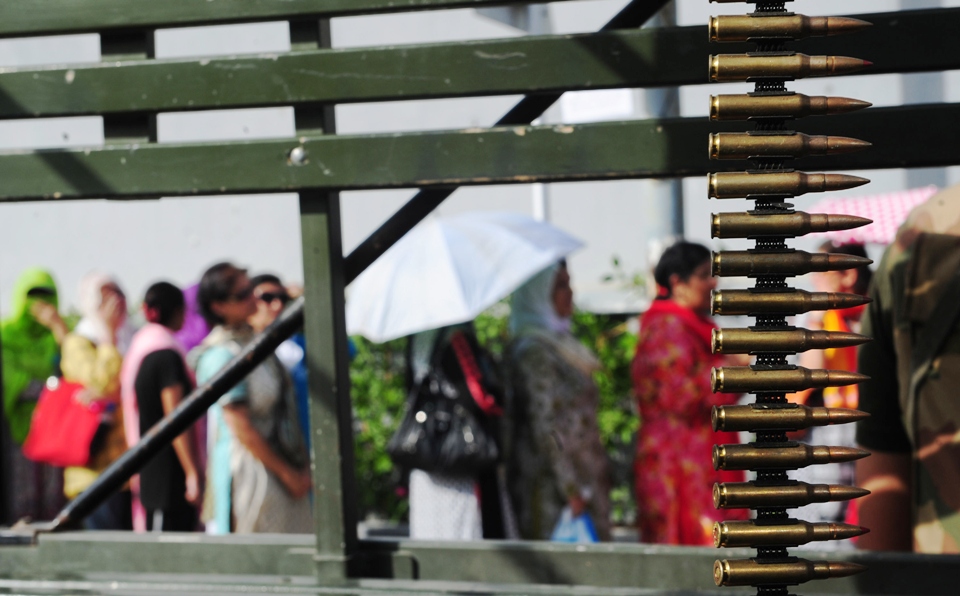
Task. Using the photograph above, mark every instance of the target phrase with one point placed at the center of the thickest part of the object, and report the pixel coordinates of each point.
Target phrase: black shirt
(162, 482)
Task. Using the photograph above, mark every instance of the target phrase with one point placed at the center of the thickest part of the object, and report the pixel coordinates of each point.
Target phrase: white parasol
(449, 270)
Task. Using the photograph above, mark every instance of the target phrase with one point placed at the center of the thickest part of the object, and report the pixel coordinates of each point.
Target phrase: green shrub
(378, 393)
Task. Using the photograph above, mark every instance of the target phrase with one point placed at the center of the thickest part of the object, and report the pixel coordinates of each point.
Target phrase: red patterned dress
(674, 473)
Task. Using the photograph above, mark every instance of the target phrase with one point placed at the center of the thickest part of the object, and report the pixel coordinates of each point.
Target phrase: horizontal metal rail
(487, 567)
(19, 18)
(502, 155)
(498, 67)
(898, 42)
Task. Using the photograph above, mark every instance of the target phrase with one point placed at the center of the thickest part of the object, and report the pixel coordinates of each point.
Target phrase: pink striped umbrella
(887, 211)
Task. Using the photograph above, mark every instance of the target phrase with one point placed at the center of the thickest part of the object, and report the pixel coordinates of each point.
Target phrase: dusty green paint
(616, 59)
(632, 149)
(380, 161)
(43, 17)
(898, 42)
(179, 562)
(335, 514)
(334, 498)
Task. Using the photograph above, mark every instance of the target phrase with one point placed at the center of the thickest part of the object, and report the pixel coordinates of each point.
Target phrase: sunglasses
(270, 297)
(41, 293)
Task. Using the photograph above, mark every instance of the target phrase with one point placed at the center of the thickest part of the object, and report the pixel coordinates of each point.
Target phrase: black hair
(682, 259)
(265, 278)
(864, 273)
(216, 285)
(164, 301)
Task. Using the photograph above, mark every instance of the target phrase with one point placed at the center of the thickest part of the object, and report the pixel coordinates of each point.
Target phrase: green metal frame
(516, 154)
(610, 59)
(129, 88)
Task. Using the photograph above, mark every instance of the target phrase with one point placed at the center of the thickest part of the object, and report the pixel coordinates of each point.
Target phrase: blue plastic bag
(574, 529)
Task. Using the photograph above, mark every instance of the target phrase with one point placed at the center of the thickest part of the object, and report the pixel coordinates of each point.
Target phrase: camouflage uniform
(909, 283)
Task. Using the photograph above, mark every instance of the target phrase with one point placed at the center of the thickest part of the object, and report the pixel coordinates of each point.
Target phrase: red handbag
(62, 426)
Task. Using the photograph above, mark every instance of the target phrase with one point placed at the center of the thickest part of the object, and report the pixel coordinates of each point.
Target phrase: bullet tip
(837, 222)
(845, 454)
(844, 569)
(846, 416)
(840, 492)
(841, 25)
(844, 105)
(846, 531)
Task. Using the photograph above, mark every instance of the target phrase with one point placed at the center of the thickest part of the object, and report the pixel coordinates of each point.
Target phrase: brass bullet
(791, 457)
(727, 68)
(750, 495)
(756, 417)
(746, 379)
(734, 534)
(791, 302)
(751, 572)
(793, 105)
(789, 341)
(739, 185)
(744, 145)
(747, 27)
(745, 263)
(798, 223)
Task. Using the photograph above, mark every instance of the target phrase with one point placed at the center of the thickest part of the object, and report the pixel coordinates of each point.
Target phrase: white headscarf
(531, 306)
(532, 313)
(91, 325)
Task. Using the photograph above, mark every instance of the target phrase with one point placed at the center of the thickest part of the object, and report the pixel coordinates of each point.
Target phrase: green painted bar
(479, 156)
(632, 149)
(20, 18)
(512, 66)
(899, 42)
(282, 563)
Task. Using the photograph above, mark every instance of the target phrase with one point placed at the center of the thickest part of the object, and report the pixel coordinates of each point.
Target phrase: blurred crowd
(244, 468)
(76, 397)
(494, 450)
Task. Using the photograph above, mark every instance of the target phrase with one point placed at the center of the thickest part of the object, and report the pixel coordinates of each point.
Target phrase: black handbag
(443, 428)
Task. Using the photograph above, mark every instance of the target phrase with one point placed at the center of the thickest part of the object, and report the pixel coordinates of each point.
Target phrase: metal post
(328, 372)
(128, 44)
(335, 512)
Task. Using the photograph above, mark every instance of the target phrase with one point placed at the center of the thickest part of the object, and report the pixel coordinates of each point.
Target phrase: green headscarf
(30, 350)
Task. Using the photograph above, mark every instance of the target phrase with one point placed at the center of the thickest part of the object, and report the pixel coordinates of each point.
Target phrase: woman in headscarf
(457, 504)
(31, 340)
(154, 381)
(92, 356)
(555, 457)
(671, 377)
(258, 478)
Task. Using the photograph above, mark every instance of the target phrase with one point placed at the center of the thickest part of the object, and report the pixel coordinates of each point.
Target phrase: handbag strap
(471, 373)
(435, 356)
